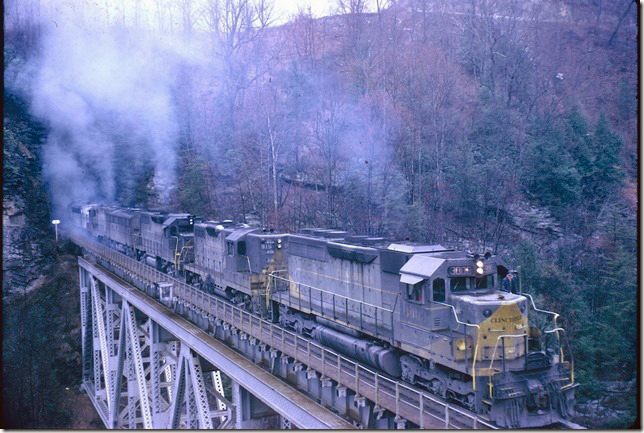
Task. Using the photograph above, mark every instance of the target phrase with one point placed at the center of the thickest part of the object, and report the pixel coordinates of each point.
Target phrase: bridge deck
(279, 396)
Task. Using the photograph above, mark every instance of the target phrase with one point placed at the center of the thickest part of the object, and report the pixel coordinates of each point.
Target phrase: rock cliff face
(27, 239)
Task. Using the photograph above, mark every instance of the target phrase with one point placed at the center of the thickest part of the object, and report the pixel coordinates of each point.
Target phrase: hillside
(486, 124)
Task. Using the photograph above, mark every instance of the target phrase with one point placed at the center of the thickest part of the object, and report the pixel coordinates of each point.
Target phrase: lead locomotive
(424, 313)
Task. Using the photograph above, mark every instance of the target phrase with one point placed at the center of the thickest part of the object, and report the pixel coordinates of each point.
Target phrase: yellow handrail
(555, 330)
(268, 291)
(496, 345)
(572, 361)
(478, 337)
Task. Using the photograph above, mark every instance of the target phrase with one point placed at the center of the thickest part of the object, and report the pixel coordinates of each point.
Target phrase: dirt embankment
(42, 353)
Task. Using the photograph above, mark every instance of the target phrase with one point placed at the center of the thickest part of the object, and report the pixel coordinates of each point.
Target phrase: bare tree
(304, 36)
(235, 26)
(190, 16)
(271, 112)
(329, 126)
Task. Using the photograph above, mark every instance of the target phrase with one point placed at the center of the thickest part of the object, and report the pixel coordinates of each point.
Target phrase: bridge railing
(404, 400)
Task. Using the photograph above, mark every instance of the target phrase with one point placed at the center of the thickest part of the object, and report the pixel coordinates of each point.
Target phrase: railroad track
(406, 401)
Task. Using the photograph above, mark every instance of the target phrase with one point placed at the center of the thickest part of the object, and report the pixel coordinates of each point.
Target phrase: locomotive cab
(166, 239)
(235, 261)
(179, 238)
(75, 215)
(251, 256)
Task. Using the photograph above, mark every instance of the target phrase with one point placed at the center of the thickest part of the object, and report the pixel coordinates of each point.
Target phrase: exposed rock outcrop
(27, 241)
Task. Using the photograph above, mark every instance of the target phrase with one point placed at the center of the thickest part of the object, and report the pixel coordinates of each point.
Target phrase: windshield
(462, 284)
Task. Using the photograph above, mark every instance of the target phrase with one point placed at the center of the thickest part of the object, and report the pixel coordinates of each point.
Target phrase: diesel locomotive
(427, 314)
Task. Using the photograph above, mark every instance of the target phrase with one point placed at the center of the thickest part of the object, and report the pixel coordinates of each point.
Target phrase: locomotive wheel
(437, 387)
(410, 364)
(297, 325)
(408, 375)
(470, 401)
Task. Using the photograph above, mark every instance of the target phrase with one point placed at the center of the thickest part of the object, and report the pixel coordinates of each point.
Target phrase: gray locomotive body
(433, 317)
(165, 240)
(429, 315)
(234, 261)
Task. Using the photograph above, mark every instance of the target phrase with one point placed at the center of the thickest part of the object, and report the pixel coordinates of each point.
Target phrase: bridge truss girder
(138, 375)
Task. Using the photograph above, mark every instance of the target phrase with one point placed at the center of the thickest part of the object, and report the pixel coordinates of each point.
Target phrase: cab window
(229, 248)
(486, 282)
(438, 287)
(461, 284)
(458, 284)
(414, 292)
(241, 248)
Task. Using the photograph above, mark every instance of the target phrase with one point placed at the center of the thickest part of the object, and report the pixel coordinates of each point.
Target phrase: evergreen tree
(550, 172)
(607, 173)
(191, 193)
(578, 143)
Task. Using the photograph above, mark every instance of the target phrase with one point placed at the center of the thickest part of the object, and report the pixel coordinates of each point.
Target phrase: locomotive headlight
(479, 271)
(487, 312)
(479, 264)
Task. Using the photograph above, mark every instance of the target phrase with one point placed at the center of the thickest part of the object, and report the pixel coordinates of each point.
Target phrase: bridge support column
(252, 413)
(86, 326)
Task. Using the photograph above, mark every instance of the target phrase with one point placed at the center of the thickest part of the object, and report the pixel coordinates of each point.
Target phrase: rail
(476, 346)
(399, 398)
(524, 337)
(538, 310)
(555, 329)
(353, 312)
(561, 353)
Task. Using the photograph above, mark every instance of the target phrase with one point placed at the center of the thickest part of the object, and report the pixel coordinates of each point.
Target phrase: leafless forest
(500, 125)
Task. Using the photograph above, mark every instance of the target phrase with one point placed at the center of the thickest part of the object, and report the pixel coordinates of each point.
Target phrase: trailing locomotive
(424, 313)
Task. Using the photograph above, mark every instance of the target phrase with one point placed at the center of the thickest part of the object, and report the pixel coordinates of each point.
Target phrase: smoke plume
(106, 96)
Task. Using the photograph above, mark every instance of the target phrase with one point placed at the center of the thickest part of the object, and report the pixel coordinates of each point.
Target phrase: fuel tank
(376, 356)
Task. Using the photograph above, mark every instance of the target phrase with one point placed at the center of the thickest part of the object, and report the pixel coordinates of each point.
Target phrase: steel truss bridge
(158, 353)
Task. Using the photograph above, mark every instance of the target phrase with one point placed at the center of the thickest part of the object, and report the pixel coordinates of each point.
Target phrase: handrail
(561, 354)
(332, 293)
(496, 345)
(476, 347)
(395, 302)
(554, 320)
(176, 249)
(268, 292)
(555, 330)
(538, 309)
